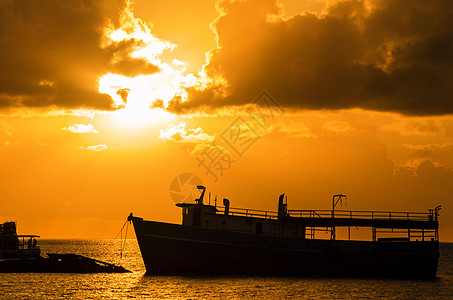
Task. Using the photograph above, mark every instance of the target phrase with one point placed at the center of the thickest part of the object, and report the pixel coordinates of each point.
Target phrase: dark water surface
(136, 285)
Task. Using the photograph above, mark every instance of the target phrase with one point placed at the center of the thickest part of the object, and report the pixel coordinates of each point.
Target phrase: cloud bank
(379, 55)
(52, 52)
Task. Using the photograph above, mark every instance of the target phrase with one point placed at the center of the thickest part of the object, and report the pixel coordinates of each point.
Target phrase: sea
(137, 285)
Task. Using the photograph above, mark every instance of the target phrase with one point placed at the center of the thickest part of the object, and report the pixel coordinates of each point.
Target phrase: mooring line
(122, 245)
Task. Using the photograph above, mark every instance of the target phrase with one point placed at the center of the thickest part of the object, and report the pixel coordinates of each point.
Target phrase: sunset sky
(104, 103)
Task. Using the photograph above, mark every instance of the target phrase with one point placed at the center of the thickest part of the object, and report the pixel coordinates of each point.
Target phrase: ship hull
(177, 249)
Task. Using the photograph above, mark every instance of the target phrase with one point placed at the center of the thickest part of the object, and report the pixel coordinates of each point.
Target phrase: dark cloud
(123, 63)
(51, 54)
(394, 56)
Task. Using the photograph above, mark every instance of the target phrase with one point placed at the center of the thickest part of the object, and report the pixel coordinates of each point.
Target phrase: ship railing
(327, 213)
(407, 234)
(27, 242)
(18, 242)
(250, 213)
(385, 215)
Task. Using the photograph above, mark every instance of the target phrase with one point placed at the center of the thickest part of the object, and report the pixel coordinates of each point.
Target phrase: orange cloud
(439, 154)
(416, 127)
(81, 128)
(337, 126)
(96, 148)
(180, 134)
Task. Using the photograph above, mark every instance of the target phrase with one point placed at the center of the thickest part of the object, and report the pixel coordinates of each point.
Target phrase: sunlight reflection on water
(136, 285)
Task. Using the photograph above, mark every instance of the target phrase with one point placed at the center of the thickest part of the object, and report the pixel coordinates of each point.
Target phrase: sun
(135, 119)
(141, 100)
(137, 97)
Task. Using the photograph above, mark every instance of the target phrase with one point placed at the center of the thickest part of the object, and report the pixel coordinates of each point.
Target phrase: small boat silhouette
(20, 253)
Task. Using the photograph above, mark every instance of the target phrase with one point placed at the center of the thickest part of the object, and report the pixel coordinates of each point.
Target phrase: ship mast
(334, 203)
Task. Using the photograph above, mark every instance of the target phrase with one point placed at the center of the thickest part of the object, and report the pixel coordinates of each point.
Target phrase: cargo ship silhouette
(223, 240)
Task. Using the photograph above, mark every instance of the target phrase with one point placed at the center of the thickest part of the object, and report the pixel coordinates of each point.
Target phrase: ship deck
(328, 218)
(417, 225)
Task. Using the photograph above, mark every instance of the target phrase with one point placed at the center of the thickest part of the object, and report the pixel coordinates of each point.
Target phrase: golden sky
(104, 103)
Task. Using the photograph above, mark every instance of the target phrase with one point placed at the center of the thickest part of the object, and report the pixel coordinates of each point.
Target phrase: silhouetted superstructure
(219, 240)
(13, 245)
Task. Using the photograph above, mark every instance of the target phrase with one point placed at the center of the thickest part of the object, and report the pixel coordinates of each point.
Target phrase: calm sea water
(136, 285)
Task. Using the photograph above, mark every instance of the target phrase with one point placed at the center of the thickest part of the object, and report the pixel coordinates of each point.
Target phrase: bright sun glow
(142, 92)
(135, 96)
(127, 118)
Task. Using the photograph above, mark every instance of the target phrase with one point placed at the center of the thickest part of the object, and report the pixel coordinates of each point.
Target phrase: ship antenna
(203, 190)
